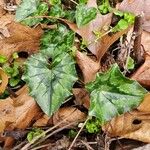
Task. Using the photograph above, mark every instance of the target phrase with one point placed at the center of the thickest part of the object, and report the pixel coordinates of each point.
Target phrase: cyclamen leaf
(50, 83)
(84, 14)
(26, 8)
(113, 94)
(61, 37)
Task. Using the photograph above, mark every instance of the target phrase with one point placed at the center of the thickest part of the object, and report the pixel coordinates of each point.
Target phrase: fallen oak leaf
(4, 81)
(86, 32)
(100, 46)
(17, 113)
(26, 109)
(21, 38)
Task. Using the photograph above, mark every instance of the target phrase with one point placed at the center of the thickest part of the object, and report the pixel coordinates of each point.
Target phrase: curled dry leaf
(88, 66)
(68, 115)
(19, 38)
(142, 75)
(81, 97)
(4, 81)
(133, 124)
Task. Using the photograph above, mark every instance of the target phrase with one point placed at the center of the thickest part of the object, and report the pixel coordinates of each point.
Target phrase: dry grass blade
(73, 142)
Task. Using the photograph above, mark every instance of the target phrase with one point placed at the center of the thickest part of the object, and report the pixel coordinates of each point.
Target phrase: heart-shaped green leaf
(50, 76)
(84, 14)
(113, 94)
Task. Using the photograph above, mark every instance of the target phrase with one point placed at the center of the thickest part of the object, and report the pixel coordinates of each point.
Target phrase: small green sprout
(34, 133)
(93, 125)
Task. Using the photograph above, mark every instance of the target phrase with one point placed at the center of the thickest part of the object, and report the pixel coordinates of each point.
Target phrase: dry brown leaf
(133, 125)
(18, 112)
(26, 109)
(19, 37)
(6, 113)
(4, 81)
(86, 32)
(68, 115)
(100, 46)
(88, 66)
(81, 97)
(142, 75)
(42, 121)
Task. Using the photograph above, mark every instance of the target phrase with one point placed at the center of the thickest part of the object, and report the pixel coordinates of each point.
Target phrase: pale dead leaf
(4, 81)
(142, 75)
(88, 66)
(21, 38)
(81, 97)
(68, 115)
(133, 125)
(134, 6)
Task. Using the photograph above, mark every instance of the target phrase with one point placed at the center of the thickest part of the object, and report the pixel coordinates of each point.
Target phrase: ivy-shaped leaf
(84, 14)
(26, 8)
(50, 76)
(113, 94)
(62, 38)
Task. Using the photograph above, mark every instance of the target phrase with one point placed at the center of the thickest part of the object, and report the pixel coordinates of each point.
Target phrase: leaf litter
(58, 82)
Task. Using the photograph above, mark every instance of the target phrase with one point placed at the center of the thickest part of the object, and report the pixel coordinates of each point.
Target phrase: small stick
(73, 142)
(137, 42)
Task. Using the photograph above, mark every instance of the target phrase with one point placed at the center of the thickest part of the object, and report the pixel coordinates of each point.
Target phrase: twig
(137, 42)
(87, 145)
(54, 132)
(41, 135)
(41, 146)
(73, 142)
